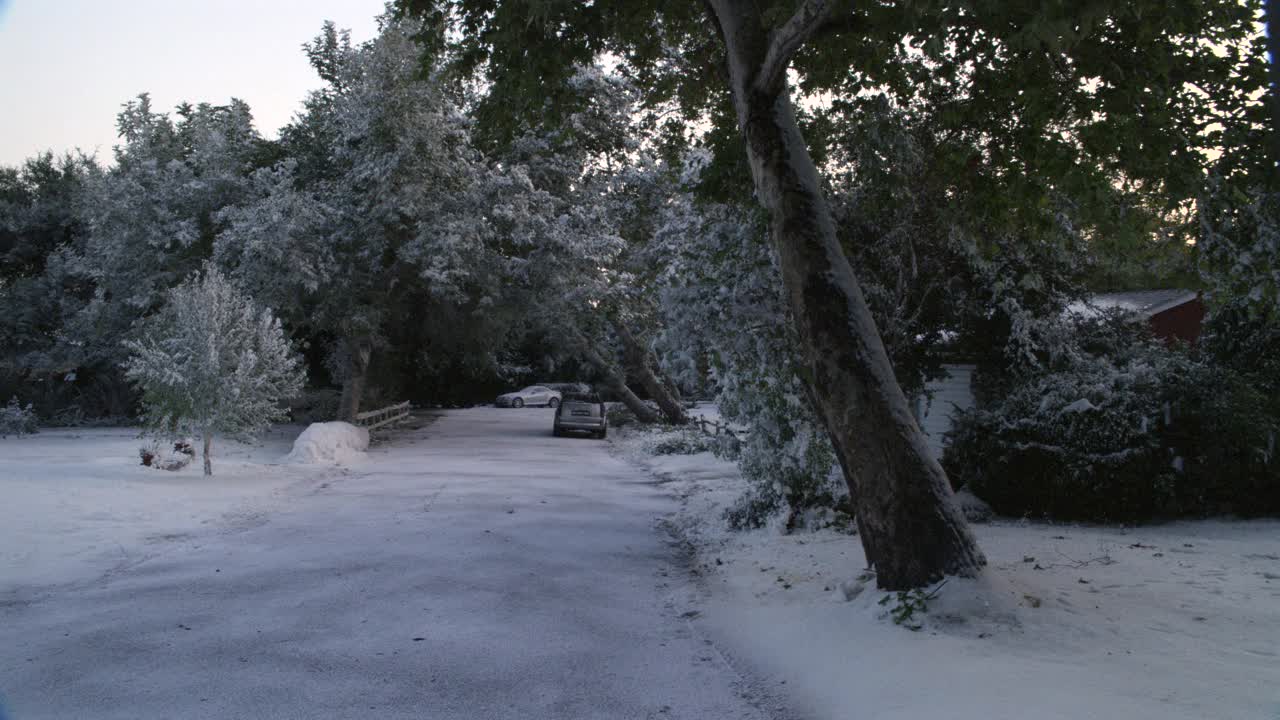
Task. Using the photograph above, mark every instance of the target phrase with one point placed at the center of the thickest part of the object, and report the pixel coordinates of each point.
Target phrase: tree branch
(786, 40)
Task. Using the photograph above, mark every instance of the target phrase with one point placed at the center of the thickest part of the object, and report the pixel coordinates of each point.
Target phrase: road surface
(477, 568)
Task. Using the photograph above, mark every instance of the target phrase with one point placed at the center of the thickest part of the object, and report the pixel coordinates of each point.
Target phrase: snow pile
(329, 442)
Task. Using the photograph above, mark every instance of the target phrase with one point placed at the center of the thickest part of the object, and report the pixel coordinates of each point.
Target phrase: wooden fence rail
(374, 419)
(714, 427)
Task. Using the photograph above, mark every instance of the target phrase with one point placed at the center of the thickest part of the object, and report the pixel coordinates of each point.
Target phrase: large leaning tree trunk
(639, 362)
(359, 352)
(616, 380)
(911, 528)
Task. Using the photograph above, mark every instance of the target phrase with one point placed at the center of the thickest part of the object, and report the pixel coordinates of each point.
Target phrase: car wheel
(602, 434)
(517, 403)
(557, 431)
(553, 403)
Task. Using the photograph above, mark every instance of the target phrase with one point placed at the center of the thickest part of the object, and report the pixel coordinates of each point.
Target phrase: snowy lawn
(1172, 621)
(78, 501)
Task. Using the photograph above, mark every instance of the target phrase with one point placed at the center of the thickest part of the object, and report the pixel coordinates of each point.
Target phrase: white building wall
(955, 391)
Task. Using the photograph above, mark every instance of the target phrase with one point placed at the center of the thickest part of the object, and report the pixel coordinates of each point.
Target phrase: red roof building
(1172, 314)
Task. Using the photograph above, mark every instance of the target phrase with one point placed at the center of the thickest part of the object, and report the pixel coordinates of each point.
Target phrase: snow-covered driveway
(479, 568)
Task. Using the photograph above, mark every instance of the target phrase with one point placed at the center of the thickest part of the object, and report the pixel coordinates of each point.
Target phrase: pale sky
(66, 66)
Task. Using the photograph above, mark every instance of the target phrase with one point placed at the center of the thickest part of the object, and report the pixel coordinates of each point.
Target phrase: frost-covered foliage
(935, 267)
(1095, 421)
(722, 297)
(16, 419)
(683, 440)
(946, 264)
(402, 258)
(375, 235)
(581, 218)
(42, 226)
(212, 362)
(100, 247)
(1245, 342)
(1122, 428)
(1239, 247)
(150, 220)
(1240, 263)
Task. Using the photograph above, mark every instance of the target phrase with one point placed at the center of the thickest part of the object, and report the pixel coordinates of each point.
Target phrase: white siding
(949, 393)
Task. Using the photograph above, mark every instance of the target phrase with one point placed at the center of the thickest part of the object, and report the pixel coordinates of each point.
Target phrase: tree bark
(208, 452)
(359, 352)
(638, 360)
(617, 382)
(910, 526)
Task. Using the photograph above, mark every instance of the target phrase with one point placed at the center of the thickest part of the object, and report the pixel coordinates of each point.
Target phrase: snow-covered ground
(476, 568)
(1069, 621)
(75, 503)
(480, 568)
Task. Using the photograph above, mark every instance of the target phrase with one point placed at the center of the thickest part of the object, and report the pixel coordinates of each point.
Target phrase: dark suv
(581, 412)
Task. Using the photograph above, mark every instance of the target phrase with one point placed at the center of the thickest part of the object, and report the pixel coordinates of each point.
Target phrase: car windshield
(533, 388)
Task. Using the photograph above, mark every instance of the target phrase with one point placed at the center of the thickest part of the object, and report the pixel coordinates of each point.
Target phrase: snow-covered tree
(41, 227)
(15, 419)
(739, 330)
(140, 228)
(212, 362)
(369, 217)
(1239, 248)
(936, 263)
(597, 195)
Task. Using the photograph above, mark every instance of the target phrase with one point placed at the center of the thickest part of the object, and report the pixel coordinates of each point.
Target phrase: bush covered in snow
(619, 415)
(742, 329)
(1240, 337)
(686, 440)
(174, 458)
(16, 419)
(1124, 428)
(790, 462)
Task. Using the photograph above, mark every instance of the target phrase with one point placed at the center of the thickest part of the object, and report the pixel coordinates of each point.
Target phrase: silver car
(581, 412)
(532, 395)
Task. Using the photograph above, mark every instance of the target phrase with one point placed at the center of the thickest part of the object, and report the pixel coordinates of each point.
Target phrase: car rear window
(581, 398)
(570, 406)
